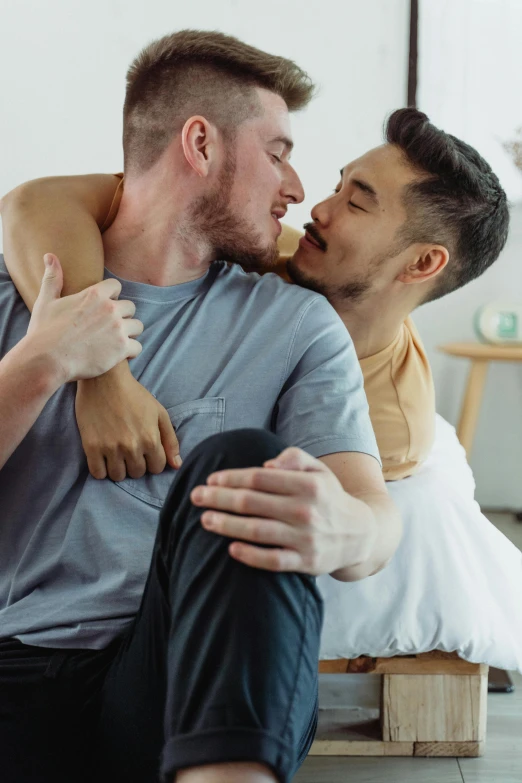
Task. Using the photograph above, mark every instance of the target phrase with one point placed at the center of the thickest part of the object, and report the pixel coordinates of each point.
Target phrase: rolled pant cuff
(226, 745)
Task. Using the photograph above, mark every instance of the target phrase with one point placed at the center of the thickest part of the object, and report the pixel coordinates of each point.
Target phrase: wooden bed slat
(432, 704)
(425, 663)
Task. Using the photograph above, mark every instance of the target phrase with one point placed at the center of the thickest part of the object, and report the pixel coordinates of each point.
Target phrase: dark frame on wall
(413, 54)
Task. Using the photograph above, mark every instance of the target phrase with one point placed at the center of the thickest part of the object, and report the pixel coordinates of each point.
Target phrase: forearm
(384, 524)
(28, 378)
(60, 215)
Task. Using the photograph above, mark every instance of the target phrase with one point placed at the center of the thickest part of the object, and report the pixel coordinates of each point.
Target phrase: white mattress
(454, 584)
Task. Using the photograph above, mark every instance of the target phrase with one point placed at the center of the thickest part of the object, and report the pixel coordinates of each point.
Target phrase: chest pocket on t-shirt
(193, 422)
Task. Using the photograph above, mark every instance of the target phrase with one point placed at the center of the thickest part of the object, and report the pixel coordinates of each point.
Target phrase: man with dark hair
(409, 222)
(451, 218)
(460, 201)
(136, 650)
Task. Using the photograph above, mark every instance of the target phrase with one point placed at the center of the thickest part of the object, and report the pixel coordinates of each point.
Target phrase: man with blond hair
(144, 651)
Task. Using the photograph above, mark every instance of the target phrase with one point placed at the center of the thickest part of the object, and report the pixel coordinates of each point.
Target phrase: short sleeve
(115, 204)
(322, 407)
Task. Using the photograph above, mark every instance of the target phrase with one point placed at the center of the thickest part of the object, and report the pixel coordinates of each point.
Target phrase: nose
(321, 213)
(293, 189)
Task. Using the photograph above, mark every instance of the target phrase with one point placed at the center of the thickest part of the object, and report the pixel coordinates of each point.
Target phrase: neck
(375, 321)
(150, 242)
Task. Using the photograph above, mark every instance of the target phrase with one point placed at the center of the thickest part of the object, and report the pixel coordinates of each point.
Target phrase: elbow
(17, 199)
(360, 571)
(22, 198)
(386, 544)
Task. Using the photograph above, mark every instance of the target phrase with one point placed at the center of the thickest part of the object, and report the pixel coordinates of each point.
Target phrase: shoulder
(402, 371)
(286, 299)
(409, 356)
(402, 403)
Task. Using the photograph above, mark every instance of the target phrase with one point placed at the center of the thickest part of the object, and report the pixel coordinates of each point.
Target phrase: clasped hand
(296, 507)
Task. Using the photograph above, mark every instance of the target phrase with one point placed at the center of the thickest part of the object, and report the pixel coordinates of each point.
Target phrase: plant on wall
(515, 149)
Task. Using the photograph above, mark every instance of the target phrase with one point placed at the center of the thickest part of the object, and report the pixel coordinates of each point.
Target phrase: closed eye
(352, 204)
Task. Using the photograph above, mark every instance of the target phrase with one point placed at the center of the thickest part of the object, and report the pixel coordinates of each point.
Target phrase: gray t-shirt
(228, 350)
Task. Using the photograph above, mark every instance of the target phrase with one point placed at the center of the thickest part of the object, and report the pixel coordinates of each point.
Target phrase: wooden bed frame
(432, 704)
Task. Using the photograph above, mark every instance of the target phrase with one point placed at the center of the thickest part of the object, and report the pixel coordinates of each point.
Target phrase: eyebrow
(366, 188)
(289, 144)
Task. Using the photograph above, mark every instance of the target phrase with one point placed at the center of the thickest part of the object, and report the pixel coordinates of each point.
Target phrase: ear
(429, 262)
(199, 141)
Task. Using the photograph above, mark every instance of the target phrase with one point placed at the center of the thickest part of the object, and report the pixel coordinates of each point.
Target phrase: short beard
(230, 236)
(354, 291)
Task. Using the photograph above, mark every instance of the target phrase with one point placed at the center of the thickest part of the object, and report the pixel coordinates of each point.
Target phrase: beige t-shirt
(397, 381)
(401, 396)
(399, 387)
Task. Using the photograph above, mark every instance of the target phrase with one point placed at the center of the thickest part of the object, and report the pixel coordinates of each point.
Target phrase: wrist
(383, 535)
(112, 377)
(360, 543)
(46, 370)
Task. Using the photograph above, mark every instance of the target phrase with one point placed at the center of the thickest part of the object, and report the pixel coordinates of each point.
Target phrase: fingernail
(48, 260)
(177, 462)
(197, 495)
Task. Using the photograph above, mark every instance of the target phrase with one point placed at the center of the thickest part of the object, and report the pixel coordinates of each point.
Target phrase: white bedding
(455, 583)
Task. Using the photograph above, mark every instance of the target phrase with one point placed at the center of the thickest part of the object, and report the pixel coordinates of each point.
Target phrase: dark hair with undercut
(200, 72)
(459, 203)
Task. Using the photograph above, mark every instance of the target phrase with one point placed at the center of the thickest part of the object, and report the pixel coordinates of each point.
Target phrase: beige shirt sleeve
(115, 204)
(399, 387)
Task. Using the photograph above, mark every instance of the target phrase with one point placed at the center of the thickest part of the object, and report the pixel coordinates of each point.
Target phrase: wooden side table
(481, 355)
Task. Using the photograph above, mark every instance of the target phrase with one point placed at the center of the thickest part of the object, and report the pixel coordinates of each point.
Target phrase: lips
(312, 241)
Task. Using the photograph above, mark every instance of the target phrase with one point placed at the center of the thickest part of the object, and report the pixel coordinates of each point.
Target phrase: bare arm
(328, 516)
(71, 338)
(361, 477)
(124, 429)
(28, 378)
(61, 215)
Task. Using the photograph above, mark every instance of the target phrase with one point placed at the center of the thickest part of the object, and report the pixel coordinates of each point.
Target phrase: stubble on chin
(351, 291)
(260, 260)
(299, 277)
(231, 236)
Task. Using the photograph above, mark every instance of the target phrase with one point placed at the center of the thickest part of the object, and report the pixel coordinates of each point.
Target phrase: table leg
(471, 404)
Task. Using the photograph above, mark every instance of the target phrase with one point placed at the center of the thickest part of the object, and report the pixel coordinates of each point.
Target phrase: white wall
(470, 83)
(63, 64)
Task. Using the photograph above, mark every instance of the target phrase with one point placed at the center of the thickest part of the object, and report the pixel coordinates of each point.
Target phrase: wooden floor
(502, 762)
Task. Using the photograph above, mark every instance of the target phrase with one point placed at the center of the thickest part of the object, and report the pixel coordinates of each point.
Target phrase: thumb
(52, 282)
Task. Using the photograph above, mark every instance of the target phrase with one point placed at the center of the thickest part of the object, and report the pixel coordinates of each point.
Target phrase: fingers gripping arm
(65, 215)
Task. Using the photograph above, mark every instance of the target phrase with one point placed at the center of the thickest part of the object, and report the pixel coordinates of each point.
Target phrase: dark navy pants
(220, 663)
